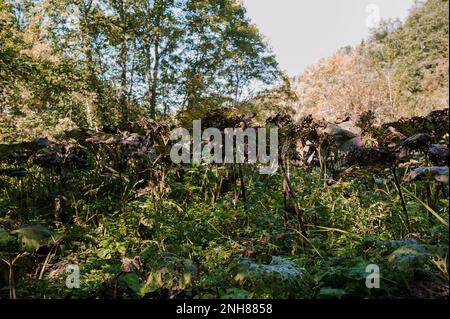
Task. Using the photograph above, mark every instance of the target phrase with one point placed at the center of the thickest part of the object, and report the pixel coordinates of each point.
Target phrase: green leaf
(281, 276)
(405, 259)
(357, 272)
(234, 293)
(134, 283)
(31, 238)
(332, 292)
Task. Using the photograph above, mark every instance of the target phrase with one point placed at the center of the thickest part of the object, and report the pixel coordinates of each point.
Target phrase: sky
(301, 32)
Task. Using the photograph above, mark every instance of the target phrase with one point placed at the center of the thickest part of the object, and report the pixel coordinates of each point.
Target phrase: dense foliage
(106, 64)
(89, 93)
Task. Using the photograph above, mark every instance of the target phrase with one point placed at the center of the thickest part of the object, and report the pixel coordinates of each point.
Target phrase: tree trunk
(154, 86)
(123, 53)
(148, 58)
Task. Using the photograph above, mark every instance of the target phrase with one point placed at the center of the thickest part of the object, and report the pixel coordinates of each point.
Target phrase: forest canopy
(104, 64)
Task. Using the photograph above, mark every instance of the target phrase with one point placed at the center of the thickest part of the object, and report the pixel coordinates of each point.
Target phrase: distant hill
(400, 71)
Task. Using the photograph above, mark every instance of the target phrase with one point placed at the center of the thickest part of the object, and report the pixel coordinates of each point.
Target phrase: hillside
(400, 71)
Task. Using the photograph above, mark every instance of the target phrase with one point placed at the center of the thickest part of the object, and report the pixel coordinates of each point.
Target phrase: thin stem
(402, 199)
